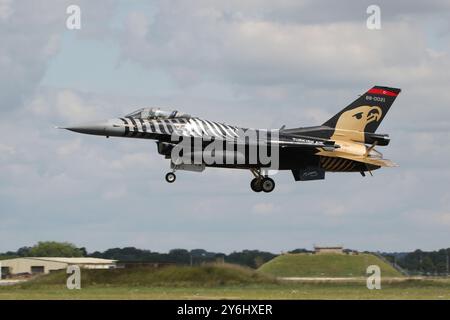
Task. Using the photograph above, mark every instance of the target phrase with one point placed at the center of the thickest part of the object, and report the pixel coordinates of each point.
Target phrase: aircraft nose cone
(90, 128)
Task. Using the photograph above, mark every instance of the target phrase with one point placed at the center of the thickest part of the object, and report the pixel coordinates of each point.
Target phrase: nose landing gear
(261, 183)
(171, 177)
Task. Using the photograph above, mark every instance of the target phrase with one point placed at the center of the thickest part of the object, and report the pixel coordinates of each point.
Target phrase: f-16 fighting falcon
(344, 143)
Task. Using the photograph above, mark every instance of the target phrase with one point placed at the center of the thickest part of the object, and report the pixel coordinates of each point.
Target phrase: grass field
(325, 265)
(215, 282)
(211, 275)
(415, 289)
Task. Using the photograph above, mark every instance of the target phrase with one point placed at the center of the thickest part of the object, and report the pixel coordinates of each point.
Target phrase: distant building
(35, 265)
(329, 249)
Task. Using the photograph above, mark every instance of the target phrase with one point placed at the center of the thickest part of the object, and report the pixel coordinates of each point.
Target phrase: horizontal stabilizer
(364, 159)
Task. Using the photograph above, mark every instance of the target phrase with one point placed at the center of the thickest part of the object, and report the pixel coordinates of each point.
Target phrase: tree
(23, 252)
(128, 254)
(83, 251)
(250, 258)
(301, 250)
(179, 256)
(54, 249)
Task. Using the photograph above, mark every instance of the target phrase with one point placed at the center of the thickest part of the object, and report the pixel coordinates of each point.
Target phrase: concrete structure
(329, 249)
(33, 265)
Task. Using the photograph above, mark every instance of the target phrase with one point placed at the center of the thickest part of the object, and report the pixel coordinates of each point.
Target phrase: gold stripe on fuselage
(336, 164)
(332, 163)
(341, 165)
(325, 161)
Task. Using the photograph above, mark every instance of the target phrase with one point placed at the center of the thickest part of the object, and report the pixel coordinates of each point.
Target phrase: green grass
(214, 282)
(325, 265)
(209, 275)
(438, 289)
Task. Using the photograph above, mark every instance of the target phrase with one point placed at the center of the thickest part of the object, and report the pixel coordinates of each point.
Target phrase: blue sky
(255, 64)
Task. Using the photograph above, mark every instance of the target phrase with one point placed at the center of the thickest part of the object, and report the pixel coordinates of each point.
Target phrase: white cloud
(66, 106)
(29, 39)
(31, 35)
(197, 44)
(5, 9)
(115, 193)
(7, 149)
(290, 62)
(444, 218)
(71, 108)
(133, 161)
(70, 148)
(264, 208)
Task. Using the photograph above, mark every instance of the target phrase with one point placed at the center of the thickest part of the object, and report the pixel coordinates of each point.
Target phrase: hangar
(35, 265)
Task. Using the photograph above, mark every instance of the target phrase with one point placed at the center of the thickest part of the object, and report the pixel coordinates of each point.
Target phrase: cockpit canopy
(156, 113)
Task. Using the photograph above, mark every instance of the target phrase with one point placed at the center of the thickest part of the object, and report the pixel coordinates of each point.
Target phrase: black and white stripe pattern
(192, 127)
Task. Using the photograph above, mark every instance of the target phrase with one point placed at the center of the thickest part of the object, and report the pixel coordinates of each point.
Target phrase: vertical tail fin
(365, 113)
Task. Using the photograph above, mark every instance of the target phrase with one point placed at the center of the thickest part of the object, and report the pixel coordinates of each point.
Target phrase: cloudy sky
(250, 63)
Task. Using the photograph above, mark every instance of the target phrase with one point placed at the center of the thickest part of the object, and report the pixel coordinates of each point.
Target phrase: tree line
(250, 258)
(422, 262)
(416, 262)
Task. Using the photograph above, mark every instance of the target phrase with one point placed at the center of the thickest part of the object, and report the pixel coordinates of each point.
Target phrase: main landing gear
(261, 183)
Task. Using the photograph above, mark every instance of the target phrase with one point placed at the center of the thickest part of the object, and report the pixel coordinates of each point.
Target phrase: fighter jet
(344, 143)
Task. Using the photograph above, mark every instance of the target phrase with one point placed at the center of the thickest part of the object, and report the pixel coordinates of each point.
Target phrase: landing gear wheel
(256, 185)
(267, 184)
(171, 177)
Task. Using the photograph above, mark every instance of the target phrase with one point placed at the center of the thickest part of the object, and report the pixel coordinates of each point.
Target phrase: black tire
(256, 185)
(268, 184)
(171, 177)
